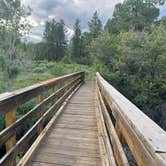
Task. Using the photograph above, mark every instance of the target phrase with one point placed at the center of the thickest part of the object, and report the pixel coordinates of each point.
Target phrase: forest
(129, 51)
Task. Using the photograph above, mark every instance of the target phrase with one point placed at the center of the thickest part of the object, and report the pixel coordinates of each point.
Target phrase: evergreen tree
(133, 14)
(61, 42)
(76, 42)
(95, 25)
(107, 27)
(54, 38)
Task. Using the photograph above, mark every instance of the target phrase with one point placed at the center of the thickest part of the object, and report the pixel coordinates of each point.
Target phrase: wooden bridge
(77, 123)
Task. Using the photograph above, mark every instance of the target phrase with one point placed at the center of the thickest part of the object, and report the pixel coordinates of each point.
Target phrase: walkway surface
(73, 139)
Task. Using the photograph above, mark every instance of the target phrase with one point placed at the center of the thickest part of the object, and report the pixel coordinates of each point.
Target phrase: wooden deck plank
(46, 164)
(78, 145)
(80, 127)
(73, 139)
(66, 159)
(62, 149)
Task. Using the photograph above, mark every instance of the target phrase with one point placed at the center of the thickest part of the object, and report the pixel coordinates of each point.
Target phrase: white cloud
(69, 33)
(69, 11)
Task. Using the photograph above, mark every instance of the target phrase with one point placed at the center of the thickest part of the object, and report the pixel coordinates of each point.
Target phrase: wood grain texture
(21, 96)
(10, 117)
(40, 112)
(33, 130)
(108, 157)
(27, 118)
(29, 154)
(73, 138)
(118, 151)
(144, 137)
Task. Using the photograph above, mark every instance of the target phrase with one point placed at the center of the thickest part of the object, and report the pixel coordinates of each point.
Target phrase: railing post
(39, 114)
(83, 77)
(10, 117)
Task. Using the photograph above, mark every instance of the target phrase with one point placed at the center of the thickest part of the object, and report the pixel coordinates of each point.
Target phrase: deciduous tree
(13, 25)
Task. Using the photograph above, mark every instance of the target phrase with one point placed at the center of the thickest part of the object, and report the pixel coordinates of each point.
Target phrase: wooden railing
(120, 123)
(57, 90)
(145, 139)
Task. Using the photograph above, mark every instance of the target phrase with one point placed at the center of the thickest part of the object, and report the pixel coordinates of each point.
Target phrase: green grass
(31, 72)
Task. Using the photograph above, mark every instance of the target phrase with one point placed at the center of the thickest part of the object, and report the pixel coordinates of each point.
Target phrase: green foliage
(99, 49)
(130, 53)
(77, 50)
(13, 71)
(95, 26)
(31, 72)
(76, 42)
(54, 37)
(135, 63)
(22, 110)
(2, 123)
(2, 61)
(13, 25)
(133, 14)
(163, 21)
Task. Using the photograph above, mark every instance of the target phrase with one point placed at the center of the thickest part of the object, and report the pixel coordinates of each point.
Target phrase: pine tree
(107, 27)
(95, 25)
(54, 38)
(61, 42)
(76, 41)
(133, 14)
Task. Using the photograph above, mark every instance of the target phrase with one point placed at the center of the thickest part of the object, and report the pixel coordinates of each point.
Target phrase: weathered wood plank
(55, 159)
(9, 119)
(40, 112)
(45, 117)
(16, 98)
(46, 164)
(78, 127)
(105, 139)
(73, 139)
(83, 144)
(67, 139)
(119, 154)
(91, 117)
(72, 151)
(25, 119)
(27, 157)
(147, 137)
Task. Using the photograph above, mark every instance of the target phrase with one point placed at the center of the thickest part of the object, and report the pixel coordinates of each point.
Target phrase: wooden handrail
(24, 120)
(19, 97)
(119, 154)
(144, 137)
(66, 83)
(146, 140)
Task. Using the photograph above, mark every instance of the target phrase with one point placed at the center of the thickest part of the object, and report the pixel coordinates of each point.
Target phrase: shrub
(13, 71)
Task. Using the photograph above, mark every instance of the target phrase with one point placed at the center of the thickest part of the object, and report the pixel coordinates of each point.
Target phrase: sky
(69, 11)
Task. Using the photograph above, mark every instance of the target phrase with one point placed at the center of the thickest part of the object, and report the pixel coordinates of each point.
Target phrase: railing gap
(129, 154)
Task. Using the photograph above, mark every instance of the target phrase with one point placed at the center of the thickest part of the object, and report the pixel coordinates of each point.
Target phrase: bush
(13, 71)
(2, 62)
(39, 69)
